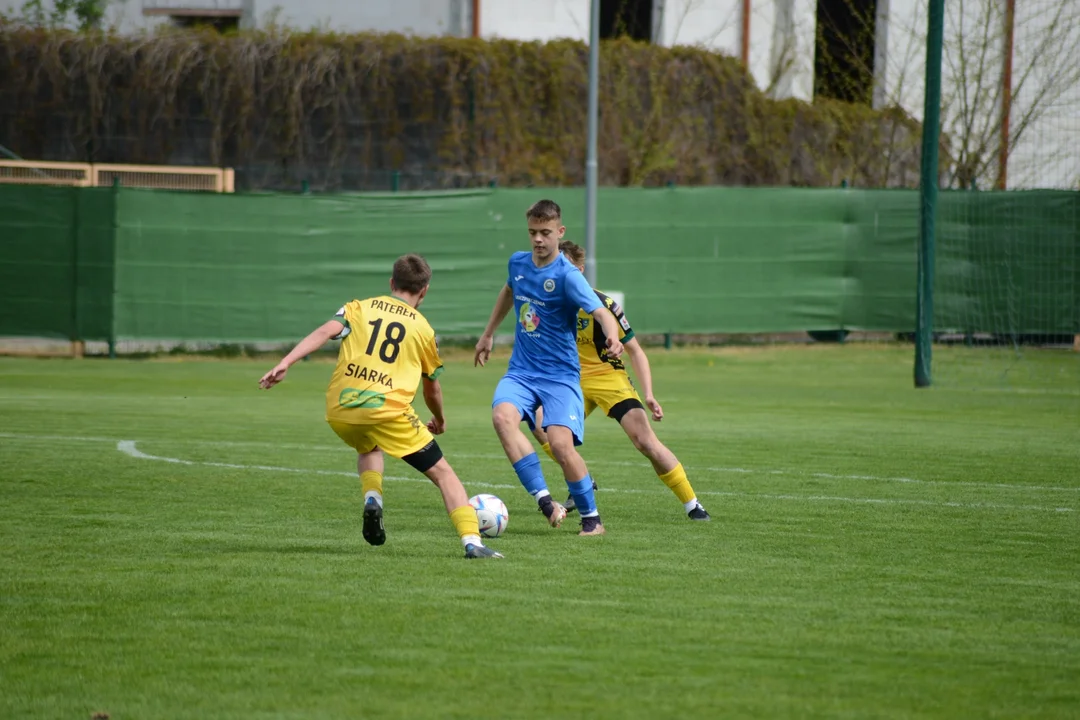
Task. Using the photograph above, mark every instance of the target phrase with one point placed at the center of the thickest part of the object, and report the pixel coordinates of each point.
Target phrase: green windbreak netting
(37, 269)
(1008, 263)
(747, 260)
(56, 262)
(687, 260)
(271, 267)
(247, 268)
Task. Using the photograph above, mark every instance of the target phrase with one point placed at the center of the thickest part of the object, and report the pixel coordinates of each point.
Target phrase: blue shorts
(563, 402)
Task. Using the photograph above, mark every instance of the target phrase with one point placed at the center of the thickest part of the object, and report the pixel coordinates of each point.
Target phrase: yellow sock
(371, 482)
(465, 522)
(546, 447)
(676, 480)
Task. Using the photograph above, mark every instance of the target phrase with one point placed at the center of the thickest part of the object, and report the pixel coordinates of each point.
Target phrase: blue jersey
(546, 302)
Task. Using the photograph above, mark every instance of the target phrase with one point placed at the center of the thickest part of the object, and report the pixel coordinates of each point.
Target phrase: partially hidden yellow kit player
(387, 348)
(606, 384)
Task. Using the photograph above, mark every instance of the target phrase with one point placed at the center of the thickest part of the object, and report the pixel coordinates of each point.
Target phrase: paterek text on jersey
(592, 342)
(386, 346)
(546, 304)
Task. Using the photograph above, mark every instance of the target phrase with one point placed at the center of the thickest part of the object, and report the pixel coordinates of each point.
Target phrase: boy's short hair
(411, 273)
(544, 211)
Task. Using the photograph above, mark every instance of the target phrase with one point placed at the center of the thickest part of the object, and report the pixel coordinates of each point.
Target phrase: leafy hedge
(338, 109)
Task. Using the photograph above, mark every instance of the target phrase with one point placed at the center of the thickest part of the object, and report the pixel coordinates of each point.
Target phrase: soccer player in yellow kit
(387, 348)
(606, 384)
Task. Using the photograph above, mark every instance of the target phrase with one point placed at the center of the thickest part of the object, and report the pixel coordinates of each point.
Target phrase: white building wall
(781, 54)
(127, 16)
(412, 17)
(1047, 152)
(900, 66)
(781, 59)
(418, 17)
(782, 50)
(1046, 59)
(124, 15)
(781, 38)
(534, 19)
(714, 24)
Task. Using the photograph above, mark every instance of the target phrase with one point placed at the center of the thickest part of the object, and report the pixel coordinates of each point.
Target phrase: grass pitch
(176, 544)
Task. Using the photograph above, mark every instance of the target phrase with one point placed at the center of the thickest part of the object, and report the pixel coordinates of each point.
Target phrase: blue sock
(531, 474)
(584, 498)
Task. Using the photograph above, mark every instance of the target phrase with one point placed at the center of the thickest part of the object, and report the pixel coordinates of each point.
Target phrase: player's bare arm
(611, 329)
(434, 400)
(503, 303)
(314, 341)
(640, 363)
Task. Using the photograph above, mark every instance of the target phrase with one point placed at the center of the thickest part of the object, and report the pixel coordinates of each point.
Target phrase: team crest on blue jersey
(549, 285)
(529, 319)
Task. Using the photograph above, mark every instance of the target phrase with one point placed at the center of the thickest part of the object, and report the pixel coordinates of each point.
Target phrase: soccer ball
(491, 513)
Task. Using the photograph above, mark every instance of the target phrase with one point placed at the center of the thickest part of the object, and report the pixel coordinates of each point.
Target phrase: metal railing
(162, 177)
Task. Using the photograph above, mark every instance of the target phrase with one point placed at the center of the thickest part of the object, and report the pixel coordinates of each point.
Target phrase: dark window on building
(220, 23)
(626, 18)
(844, 51)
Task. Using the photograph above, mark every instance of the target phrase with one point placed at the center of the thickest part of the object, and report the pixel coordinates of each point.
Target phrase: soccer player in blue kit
(546, 290)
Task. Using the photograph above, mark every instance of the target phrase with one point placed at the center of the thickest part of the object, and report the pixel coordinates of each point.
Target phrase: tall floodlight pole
(928, 192)
(590, 152)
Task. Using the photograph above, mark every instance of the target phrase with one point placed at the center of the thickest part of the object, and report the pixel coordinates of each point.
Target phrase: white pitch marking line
(128, 448)
(591, 461)
(52, 438)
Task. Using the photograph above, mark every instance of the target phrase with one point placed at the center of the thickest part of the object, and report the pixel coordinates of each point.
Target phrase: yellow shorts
(607, 390)
(399, 437)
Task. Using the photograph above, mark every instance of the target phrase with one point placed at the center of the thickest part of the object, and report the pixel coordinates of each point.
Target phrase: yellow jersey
(592, 342)
(386, 345)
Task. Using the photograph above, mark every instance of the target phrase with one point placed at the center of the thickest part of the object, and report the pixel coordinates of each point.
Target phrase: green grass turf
(876, 551)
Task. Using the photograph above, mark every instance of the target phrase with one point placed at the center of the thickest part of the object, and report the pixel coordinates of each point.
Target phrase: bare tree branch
(1046, 84)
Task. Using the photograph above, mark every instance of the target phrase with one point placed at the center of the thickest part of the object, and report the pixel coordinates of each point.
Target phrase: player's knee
(565, 457)
(505, 418)
(646, 442)
(562, 448)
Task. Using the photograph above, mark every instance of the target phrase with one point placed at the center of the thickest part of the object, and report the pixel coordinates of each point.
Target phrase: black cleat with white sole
(699, 513)
(373, 530)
